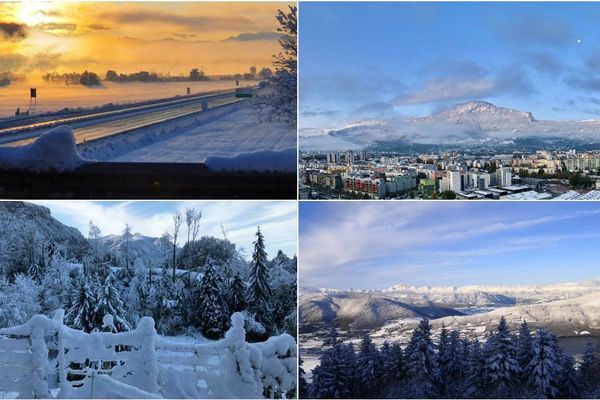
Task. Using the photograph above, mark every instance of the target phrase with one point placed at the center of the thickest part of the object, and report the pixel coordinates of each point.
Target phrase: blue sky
(278, 220)
(374, 245)
(380, 59)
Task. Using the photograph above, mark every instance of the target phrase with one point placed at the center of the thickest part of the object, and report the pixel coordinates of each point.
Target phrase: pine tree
(260, 289)
(368, 365)
(422, 362)
(237, 294)
(81, 315)
(589, 368)
(568, 385)
(109, 302)
(524, 351)
(303, 387)
(212, 313)
(332, 379)
(500, 364)
(475, 377)
(545, 364)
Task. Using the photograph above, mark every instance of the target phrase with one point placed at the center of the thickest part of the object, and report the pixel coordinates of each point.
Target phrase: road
(98, 125)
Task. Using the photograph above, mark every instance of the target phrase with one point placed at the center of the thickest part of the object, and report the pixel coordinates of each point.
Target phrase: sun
(33, 13)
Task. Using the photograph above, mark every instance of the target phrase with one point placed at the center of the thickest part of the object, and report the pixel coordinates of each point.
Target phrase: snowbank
(263, 160)
(53, 150)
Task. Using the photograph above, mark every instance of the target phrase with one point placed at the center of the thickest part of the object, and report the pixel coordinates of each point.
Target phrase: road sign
(189, 91)
(33, 93)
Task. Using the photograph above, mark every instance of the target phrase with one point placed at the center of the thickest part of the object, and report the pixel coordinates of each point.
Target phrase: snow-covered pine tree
(568, 385)
(109, 302)
(501, 366)
(260, 289)
(589, 369)
(81, 315)
(524, 351)
(369, 368)
(56, 284)
(545, 365)
(303, 386)
(237, 294)
(332, 379)
(422, 363)
(454, 366)
(475, 378)
(212, 311)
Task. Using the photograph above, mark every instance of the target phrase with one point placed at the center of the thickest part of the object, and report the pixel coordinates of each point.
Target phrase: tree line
(507, 365)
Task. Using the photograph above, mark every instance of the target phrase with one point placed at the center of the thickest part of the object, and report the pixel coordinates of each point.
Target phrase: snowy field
(239, 133)
(54, 96)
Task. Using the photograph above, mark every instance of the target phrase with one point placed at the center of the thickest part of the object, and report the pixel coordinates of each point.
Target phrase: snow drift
(55, 149)
(264, 160)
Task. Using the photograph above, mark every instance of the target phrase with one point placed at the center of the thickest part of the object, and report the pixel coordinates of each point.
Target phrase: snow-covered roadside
(53, 150)
(234, 140)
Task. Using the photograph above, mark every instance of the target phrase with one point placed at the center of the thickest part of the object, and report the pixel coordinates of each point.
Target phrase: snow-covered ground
(56, 96)
(236, 133)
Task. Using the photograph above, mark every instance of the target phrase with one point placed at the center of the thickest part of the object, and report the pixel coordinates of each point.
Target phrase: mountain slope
(139, 246)
(26, 223)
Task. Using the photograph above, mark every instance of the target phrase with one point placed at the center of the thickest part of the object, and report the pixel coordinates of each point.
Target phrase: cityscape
(539, 175)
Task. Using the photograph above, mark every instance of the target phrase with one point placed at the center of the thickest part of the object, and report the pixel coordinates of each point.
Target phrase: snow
(234, 131)
(265, 160)
(53, 150)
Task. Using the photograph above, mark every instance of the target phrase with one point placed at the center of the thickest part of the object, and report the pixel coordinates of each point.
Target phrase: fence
(43, 357)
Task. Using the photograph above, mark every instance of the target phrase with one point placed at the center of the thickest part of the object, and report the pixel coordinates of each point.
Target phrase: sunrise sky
(222, 38)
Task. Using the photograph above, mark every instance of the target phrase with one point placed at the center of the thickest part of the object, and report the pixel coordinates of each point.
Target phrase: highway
(98, 125)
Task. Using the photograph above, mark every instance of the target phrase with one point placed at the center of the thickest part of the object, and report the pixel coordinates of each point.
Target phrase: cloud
(98, 27)
(589, 83)
(56, 26)
(206, 23)
(508, 80)
(535, 30)
(13, 31)
(12, 62)
(545, 62)
(374, 109)
(248, 37)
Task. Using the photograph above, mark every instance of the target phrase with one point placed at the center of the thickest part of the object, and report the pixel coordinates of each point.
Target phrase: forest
(521, 364)
(189, 289)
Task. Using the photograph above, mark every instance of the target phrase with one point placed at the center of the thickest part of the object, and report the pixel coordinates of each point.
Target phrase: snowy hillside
(25, 225)
(474, 122)
(139, 246)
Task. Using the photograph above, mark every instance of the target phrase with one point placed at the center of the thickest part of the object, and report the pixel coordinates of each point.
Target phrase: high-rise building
(455, 181)
(333, 158)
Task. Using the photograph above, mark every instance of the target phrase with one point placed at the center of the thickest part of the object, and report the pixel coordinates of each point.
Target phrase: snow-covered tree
(589, 368)
(212, 310)
(260, 289)
(545, 365)
(501, 365)
(36, 272)
(368, 367)
(109, 302)
(18, 301)
(82, 314)
(56, 284)
(475, 371)
(524, 351)
(237, 294)
(422, 363)
(332, 379)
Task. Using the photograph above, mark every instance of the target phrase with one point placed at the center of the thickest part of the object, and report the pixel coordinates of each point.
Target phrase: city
(539, 175)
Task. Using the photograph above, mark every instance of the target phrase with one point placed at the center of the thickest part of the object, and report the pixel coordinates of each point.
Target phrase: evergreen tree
(475, 377)
(212, 313)
(303, 387)
(368, 368)
(589, 369)
(500, 364)
(422, 363)
(332, 379)
(524, 351)
(109, 302)
(568, 385)
(545, 364)
(81, 315)
(237, 292)
(260, 289)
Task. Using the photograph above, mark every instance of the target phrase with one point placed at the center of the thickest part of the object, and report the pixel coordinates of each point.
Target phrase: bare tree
(127, 235)
(177, 221)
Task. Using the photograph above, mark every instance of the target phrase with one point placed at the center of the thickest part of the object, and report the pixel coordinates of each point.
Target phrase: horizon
(277, 220)
(218, 38)
(377, 245)
(413, 59)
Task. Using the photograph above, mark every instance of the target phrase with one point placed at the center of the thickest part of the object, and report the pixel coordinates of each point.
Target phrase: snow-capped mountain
(474, 122)
(24, 223)
(145, 247)
(481, 115)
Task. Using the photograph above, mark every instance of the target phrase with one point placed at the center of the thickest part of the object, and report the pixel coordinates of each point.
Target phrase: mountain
(145, 247)
(24, 224)
(482, 116)
(363, 310)
(471, 123)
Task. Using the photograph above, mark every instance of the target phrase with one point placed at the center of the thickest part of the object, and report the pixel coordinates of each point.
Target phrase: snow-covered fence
(44, 354)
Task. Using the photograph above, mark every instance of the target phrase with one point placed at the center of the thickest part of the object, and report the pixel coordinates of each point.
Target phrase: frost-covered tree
(368, 367)
(281, 101)
(109, 302)
(36, 272)
(422, 363)
(18, 301)
(568, 384)
(237, 294)
(501, 365)
(82, 314)
(303, 387)
(56, 285)
(589, 368)
(260, 289)
(332, 379)
(545, 365)
(212, 310)
(127, 237)
(475, 371)
(524, 351)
